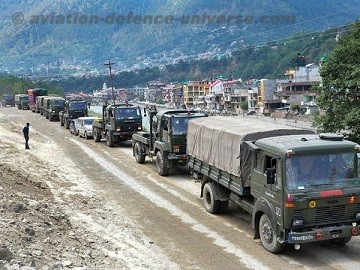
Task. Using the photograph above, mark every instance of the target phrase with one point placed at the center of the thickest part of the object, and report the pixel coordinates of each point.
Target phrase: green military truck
(8, 99)
(22, 101)
(166, 139)
(52, 107)
(118, 123)
(262, 168)
(73, 109)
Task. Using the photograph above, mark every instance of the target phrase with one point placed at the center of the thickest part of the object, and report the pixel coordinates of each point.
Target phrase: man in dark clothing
(26, 135)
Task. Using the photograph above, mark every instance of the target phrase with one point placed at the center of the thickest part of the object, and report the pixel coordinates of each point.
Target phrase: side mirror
(270, 176)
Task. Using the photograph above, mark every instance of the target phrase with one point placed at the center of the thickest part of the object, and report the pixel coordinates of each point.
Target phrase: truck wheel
(162, 164)
(341, 241)
(269, 236)
(97, 136)
(109, 139)
(211, 205)
(138, 153)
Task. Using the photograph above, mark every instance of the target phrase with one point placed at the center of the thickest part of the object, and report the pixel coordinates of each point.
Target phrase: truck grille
(129, 127)
(329, 214)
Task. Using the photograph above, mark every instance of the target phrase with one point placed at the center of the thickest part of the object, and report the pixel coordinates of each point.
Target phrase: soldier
(26, 135)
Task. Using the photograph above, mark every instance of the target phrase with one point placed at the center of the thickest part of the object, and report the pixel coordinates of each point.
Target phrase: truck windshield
(77, 106)
(25, 98)
(126, 113)
(321, 170)
(180, 125)
(58, 103)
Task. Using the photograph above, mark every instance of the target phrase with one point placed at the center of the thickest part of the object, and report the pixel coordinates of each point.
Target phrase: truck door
(165, 129)
(273, 192)
(259, 186)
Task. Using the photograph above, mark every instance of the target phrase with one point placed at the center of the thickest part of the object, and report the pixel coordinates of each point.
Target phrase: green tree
(339, 96)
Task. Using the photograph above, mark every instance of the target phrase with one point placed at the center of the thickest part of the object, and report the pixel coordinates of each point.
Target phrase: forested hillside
(268, 61)
(33, 35)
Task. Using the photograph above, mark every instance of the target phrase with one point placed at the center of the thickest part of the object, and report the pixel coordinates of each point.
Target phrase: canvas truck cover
(220, 141)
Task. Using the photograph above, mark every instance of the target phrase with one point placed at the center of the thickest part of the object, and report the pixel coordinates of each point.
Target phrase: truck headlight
(297, 222)
(176, 148)
(118, 129)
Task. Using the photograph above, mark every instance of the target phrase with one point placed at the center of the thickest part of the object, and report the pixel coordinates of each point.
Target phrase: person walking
(26, 135)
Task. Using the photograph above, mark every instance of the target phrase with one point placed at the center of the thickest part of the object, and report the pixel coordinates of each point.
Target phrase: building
(195, 92)
(297, 89)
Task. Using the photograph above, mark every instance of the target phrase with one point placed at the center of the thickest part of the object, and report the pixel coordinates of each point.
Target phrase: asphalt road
(170, 212)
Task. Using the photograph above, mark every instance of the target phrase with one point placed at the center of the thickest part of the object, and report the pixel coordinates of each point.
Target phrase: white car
(85, 127)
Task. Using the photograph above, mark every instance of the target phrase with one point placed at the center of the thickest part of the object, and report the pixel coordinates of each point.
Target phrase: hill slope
(52, 31)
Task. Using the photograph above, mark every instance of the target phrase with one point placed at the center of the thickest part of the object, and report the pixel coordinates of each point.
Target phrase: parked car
(251, 113)
(85, 127)
(74, 127)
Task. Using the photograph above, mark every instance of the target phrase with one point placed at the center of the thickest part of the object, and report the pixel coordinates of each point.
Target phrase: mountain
(39, 34)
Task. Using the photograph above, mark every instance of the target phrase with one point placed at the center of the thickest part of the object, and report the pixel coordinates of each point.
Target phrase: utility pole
(109, 64)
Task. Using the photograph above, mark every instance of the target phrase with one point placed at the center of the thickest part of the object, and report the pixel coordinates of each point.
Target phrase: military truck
(166, 139)
(52, 107)
(8, 99)
(72, 109)
(22, 101)
(118, 123)
(260, 167)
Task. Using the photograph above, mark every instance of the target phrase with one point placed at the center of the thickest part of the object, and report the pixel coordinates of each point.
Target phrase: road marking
(246, 259)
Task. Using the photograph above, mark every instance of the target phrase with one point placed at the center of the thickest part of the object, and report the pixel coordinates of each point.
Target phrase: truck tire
(211, 205)
(138, 153)
(97, 135)
(162, 164)
(109, 139)
(341, 241)
(269, 236)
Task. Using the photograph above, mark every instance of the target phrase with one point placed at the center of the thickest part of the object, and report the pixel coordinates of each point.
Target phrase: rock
(6, 254)
(18, 208)
(67, 263)
(37, 253)
(34, 204)
(30, 231)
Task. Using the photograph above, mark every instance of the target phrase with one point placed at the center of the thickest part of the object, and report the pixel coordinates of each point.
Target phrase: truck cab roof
(306, 143)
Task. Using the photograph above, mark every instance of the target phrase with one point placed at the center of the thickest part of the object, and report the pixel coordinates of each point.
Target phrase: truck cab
(166, 139)
(311, 187)
(118, 123)
(73, 109)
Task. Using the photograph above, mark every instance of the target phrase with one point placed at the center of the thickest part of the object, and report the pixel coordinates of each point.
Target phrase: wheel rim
(267, 232)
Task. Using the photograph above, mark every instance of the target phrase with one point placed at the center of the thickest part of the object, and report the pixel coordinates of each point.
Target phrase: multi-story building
(195, 92)
(297, 88)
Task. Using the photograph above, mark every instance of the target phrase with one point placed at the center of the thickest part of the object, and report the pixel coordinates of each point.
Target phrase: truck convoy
(8, 99)
(22, 101)
(52, 107)
(72, 109)
(262, 168)
(118, 123)
(166, 139)
(33, 98)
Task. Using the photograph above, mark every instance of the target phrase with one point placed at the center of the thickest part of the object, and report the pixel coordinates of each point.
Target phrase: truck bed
(142, 137)
(221, 142)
